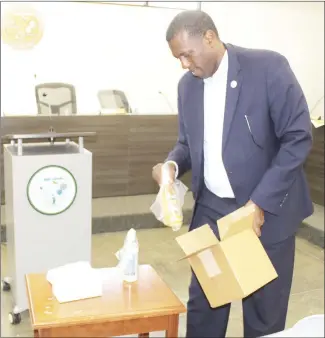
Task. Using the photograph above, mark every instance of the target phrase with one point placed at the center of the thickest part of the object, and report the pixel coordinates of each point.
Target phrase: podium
(48, 190)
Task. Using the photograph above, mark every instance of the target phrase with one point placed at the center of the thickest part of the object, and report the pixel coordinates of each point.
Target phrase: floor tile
(159, 248)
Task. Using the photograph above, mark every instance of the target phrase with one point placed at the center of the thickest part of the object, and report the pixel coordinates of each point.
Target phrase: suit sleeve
(292, 125)
(181, 152)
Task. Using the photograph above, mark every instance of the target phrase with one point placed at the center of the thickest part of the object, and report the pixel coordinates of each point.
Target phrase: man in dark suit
(245, 132)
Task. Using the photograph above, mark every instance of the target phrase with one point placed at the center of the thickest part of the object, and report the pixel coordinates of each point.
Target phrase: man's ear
(209, 37)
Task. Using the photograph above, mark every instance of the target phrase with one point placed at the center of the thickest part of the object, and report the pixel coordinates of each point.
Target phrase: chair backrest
(56, 99)
(113, 100)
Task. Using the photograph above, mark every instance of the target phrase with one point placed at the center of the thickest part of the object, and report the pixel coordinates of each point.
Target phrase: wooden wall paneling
(109, 148)
(126, 147)
(314, 167)
(150, 140)
(122, 157)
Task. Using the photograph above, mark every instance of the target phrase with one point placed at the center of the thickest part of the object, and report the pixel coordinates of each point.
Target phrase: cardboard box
(233, 268)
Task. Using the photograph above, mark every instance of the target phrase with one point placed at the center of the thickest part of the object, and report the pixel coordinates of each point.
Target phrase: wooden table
(125, 308)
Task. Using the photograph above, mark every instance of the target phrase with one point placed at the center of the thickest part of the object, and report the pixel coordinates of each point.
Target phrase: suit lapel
(196, 116)
(234, 82)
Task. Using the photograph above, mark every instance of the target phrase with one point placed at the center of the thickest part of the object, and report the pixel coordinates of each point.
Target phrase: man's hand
(258, 218)
(157, 172)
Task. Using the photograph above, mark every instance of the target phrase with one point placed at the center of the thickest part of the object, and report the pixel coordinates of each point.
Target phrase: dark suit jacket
(263, 157)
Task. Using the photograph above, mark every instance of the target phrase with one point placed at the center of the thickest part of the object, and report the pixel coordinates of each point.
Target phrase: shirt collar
(222, 69)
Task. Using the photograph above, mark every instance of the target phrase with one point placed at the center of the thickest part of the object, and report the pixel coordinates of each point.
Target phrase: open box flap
(197, 240)
(236, 222)
(195, 253)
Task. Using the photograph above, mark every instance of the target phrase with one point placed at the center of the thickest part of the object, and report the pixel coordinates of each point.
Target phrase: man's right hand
(157, 172)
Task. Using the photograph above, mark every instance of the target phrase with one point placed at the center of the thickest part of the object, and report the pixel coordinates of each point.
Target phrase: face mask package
(169, 202)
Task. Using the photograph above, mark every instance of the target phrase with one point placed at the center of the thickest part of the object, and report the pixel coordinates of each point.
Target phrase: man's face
(194, 53)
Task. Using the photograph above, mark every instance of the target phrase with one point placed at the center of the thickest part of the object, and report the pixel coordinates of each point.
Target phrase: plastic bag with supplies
(169, 202)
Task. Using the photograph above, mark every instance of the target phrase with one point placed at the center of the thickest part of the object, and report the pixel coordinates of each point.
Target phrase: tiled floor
(158, 248)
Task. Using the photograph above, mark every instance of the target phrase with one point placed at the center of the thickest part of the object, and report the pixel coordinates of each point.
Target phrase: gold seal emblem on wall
(21, 26)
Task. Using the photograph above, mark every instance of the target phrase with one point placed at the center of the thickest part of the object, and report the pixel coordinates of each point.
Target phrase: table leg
(36, 334)
(172, 330)
(144, 335)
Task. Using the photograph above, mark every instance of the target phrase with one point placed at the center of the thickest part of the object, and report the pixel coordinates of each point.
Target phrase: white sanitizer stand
(48, 193)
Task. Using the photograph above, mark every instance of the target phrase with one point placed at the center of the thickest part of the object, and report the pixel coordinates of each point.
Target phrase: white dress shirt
(215, 88)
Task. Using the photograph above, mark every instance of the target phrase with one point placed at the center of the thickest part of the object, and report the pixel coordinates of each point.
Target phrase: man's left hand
(258, 218)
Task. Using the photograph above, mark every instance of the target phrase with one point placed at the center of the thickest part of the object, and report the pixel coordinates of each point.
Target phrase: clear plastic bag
(169, 202)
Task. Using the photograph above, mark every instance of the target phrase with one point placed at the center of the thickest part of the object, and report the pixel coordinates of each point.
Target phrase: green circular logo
(51, 190)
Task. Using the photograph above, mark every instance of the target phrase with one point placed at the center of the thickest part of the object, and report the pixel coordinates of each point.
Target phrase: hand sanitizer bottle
(131, 252)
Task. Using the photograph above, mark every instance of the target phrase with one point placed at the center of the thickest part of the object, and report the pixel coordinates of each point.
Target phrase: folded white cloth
(75, 281)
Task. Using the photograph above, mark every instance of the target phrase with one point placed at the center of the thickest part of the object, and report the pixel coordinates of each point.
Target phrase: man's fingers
(258, 222)
(257, 231)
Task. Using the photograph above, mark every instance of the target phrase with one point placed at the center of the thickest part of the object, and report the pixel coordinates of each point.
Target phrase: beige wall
(117, 47)
(95, 47)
